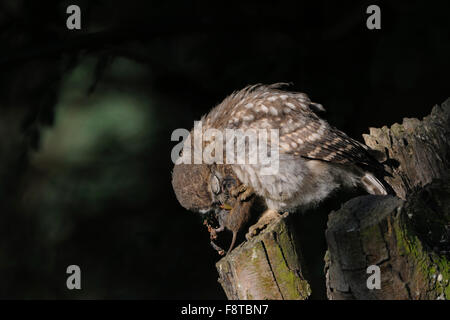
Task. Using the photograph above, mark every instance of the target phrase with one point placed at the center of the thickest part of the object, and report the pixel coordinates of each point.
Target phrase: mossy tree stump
(269, 266)
(409, 239)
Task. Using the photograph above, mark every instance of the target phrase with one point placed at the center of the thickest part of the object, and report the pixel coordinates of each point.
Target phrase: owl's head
(191, 185)
(201, 187)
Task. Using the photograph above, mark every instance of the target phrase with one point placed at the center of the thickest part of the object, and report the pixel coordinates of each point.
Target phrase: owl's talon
(266, 218)
(247, 194)
(235, 191)
(244, 192)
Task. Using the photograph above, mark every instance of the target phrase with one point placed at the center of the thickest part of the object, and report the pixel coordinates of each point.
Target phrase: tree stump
(269, 266)
(420, 148)
(407, 239)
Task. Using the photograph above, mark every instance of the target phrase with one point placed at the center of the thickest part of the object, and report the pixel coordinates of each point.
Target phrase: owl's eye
(228, 183)
(215, 185)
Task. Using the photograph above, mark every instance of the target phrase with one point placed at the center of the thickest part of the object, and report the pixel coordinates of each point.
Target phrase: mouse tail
(233, 241)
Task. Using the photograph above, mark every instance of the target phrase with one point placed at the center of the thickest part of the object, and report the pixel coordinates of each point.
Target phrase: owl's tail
(373, 185)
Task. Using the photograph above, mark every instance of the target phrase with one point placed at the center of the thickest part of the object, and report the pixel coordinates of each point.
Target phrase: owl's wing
(301, 131)
(318, 140)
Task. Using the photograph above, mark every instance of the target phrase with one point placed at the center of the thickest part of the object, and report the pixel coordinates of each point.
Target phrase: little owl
(315, 159)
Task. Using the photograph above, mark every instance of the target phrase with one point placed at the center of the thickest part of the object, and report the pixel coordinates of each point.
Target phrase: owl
(314, 159)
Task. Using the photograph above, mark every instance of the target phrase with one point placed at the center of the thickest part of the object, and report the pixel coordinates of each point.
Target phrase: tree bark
(409, 239)
(269, 266)
(418, 150)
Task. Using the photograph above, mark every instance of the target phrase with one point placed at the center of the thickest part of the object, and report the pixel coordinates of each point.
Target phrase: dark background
(86, 118)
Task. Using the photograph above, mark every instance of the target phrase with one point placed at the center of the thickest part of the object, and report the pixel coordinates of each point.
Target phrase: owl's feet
(242, 192)
(266, 218)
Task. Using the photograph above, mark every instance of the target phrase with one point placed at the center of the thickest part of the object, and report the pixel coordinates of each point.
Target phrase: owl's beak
(226, 206)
